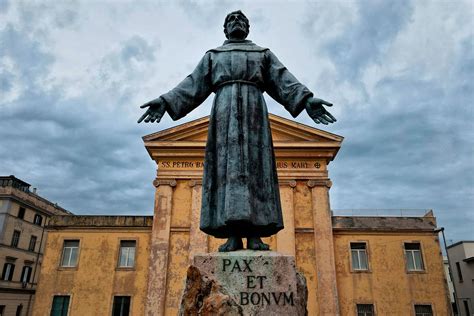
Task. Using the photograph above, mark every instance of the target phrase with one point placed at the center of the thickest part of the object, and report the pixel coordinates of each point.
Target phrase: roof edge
(90, 221)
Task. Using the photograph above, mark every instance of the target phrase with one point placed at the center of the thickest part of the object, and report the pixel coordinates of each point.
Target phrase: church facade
(136, 265)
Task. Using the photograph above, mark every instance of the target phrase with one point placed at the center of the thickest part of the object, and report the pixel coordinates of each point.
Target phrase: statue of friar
(240, 193)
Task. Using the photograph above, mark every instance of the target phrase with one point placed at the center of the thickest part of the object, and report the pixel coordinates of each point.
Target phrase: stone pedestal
(244, 283)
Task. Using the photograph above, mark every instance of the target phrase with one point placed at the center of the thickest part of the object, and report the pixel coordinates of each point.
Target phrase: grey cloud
(4, 5)
(121, 70)
(27, 53)
(6, 79)
(463, 70)
(66, 17)
(40, 16)
(410, 145)
(206, 14)
(136, 50)
(364, 42)
(139, 49)
(88, 163)
(80, 156)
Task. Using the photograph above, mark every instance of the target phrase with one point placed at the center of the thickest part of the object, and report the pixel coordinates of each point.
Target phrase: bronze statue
(240, 195)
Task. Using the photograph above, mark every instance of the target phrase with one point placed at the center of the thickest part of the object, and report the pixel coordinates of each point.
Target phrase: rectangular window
(8, 269)
(15, 238)
(21, 212)
(365, 310)
(359, 256)
(423, 310)
(70, 252)
(413, 257)
(60, 305)
(127, 253)
(32, 245)
(466, 307)
(2, 310)
(458, 268)
(121, 306)
(25, 274)
(19, 309)
(38, 220)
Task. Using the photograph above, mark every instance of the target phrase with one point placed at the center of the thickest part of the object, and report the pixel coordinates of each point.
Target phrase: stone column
(286, 237)
(159, 251)
(197, 239)
(324, 247)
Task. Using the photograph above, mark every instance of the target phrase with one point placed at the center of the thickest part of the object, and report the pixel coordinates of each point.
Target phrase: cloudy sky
(400, 73)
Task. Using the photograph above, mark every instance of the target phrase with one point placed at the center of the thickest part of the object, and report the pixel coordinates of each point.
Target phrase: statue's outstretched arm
(185, 97)
(282, 86)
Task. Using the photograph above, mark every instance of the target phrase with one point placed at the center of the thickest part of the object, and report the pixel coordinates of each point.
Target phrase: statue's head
(236, 25)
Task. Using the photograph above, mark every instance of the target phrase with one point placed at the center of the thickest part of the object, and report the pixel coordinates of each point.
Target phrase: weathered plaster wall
(387, 284)
(96, 279)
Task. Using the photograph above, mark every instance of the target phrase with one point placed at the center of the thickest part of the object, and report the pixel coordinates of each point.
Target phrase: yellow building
(23, 216)
(353, 265)
(88, 274)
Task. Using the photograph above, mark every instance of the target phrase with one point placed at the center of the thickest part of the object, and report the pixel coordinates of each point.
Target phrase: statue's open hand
(154, 113)
(318, 113)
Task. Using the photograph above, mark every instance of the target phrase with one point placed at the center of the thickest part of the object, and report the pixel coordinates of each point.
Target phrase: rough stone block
(244, 283)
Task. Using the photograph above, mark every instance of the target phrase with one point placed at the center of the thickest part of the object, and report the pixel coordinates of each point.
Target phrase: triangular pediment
(283, 130)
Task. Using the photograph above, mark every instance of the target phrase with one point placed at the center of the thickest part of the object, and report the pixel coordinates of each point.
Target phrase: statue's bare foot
(232, 244)
(255, 243)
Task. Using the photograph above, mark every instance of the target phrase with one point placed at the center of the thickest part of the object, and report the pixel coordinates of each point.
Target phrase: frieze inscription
(181, 164)
(281, 164)
(298, 165)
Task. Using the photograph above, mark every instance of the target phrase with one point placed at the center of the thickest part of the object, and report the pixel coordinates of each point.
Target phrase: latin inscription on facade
(181, 164)
(281, 164)
(298, 165)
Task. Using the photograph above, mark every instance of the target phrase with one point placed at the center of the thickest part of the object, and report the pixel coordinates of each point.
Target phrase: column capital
(319, 182)
(193, 183)
(172, 182)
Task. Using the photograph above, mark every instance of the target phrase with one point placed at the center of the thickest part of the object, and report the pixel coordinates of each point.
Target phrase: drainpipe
(441, 229)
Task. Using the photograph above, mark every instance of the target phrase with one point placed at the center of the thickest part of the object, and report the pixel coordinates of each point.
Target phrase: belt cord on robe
(220, 85)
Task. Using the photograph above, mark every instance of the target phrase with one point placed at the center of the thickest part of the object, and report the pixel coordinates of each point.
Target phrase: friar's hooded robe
(240, 194)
